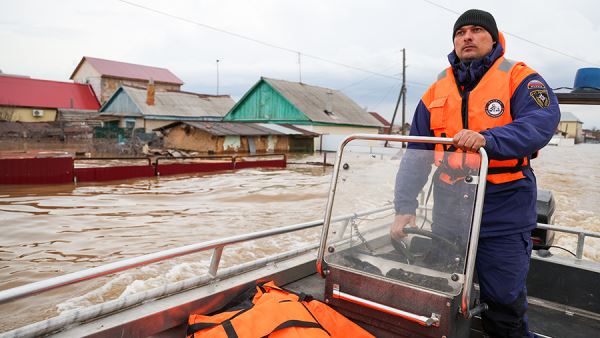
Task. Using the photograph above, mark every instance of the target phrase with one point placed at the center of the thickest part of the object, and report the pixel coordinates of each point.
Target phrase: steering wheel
(402, 248)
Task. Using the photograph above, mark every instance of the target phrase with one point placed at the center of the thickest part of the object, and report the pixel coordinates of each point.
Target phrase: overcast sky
(47, 39)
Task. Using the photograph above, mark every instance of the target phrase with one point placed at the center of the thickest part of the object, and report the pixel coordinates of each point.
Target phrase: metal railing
(581, 235)
(216, 245)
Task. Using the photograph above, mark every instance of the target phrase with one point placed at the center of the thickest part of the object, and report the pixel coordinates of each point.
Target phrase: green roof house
(325, 111)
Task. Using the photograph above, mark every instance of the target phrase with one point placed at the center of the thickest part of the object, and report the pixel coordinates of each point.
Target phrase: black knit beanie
(477, 17)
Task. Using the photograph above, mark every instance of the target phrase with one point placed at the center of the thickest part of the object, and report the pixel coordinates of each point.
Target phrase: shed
(229, 137)
(106, 76)
(143, 108)
(321, 110)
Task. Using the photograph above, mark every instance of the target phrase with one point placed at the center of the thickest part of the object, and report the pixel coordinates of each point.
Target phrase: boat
(390, 289)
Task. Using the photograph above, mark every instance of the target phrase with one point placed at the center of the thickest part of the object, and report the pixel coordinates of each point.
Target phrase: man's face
(472, 43)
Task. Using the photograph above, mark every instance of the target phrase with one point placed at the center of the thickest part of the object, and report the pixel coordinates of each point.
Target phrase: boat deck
(544, 318)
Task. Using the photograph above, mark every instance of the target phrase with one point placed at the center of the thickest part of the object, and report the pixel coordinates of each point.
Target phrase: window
(129, 124)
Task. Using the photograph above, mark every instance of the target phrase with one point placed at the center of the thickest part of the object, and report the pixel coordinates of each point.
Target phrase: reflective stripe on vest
(488, 107)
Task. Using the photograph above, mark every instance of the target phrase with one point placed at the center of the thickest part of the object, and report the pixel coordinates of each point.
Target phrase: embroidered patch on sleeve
(535, 84)
(541, 97)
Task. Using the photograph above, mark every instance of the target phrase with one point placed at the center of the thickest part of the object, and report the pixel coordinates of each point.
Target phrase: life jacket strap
(193, 328)
(511, 170)
(229, 329)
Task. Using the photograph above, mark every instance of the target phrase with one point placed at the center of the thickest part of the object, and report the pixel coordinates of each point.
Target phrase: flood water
(52, 230)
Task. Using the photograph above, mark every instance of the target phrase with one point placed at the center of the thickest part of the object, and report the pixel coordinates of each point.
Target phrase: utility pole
(299, 67)
(217, 76)
(401, 96)
(403, 90)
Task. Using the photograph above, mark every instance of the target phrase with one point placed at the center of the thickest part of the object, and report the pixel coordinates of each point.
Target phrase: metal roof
(26, 92)
(176, 104)
(301, 130)
(566, 116)
(126, 70)
(228, 128)
(380, 118)
(313, 101)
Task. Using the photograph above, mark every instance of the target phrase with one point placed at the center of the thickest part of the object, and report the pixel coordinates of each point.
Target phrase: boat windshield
(380, 188)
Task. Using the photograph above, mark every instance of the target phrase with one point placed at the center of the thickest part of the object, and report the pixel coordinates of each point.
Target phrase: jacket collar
(468, 74)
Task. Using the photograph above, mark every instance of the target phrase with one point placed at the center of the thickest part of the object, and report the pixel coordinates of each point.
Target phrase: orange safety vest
(276, 313)
(488, 107)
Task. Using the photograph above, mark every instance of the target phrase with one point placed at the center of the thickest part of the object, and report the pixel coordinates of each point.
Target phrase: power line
(364, 79)
(522, 38)
(413, 83)
(264, 43)
(387, 93)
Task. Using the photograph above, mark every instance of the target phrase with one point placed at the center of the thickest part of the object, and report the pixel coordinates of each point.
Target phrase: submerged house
(324, 111)
(23, 99)
(146, 108)
(570, 126)
(235, 137)
(106, 76)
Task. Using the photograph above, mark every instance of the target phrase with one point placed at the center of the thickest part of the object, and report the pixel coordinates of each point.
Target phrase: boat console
(419, 285)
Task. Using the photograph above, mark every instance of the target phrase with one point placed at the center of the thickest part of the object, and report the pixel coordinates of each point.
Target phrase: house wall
(331, 136)
(341, 130)
(88, 74)
(21, 114)
(573, 129)
(188, 138)
(110, 85)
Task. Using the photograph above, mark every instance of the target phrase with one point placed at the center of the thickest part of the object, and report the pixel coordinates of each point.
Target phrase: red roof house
(34, 93)
(124, 70)
(31, 100)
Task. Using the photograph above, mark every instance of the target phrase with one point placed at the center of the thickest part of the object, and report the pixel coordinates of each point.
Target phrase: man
(485, 100)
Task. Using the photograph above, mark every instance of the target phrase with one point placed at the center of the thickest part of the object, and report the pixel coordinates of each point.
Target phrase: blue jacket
(509, 207)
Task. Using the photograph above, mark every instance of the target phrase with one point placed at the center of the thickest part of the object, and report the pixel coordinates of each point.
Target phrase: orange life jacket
(276, 313)
(488, 106)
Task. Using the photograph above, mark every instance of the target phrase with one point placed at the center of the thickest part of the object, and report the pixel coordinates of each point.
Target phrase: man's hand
(400, 221)
(469, 140)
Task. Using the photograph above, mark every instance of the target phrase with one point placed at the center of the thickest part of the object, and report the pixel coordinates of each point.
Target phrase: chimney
(150, 96)
(328, 103)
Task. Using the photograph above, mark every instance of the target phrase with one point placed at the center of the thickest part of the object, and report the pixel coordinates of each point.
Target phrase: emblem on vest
(494, 108)
(541, 98)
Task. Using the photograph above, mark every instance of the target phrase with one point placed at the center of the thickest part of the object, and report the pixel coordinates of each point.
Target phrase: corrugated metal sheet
(168, 104)
(281, 129)
(313, 101)
(129, 70)
(227, 128)
(302, 130)
(26, 92)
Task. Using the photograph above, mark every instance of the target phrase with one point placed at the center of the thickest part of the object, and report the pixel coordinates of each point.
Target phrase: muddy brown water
(52, 230)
